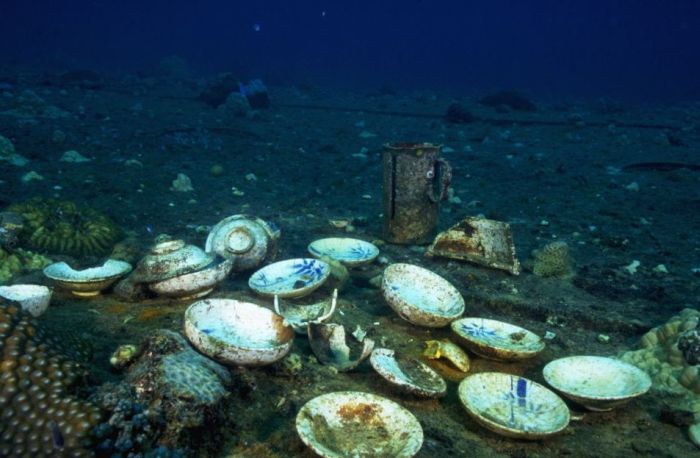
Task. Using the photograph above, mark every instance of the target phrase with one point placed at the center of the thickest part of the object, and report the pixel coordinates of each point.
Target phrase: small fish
(256, 27)
(56, 435)
(149, 229)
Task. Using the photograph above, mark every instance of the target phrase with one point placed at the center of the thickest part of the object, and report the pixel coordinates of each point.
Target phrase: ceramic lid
(169, 259)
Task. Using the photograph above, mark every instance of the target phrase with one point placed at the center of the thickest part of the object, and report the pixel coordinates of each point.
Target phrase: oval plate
(290, 278)
(513, 406)
(497, 340)
(349, 251)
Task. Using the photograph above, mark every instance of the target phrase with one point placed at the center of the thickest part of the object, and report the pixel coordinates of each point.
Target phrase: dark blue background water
(618, 48)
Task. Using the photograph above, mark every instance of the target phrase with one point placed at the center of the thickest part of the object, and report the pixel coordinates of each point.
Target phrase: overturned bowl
(245, 240)
(168, 259)
(497, 340)
(355, 424)
(513, 406)
(87, 282)
(194, 284)
(420, 296)
(290, 278)
(596, 382)
(32, 298)
(237, 333)
(408, 374)
(349, 251)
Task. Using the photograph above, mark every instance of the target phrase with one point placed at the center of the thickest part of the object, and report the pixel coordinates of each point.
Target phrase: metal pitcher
(416, 179)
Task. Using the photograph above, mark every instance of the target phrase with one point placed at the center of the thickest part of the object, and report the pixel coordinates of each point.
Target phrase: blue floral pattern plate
(291, 278)
(513, 406)
(497, 340)
(351, 252)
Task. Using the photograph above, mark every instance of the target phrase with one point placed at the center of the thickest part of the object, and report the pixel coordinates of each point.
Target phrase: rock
(73, 157)
(182, 183)
(31, 176)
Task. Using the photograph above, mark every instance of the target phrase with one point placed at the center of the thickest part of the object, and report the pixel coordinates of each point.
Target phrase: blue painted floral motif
(522, 408)
(300, 274)
(479, 331)
(309, 270)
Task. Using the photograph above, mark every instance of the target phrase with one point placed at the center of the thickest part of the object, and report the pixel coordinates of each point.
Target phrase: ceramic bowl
(299, 316)
(246, 240)
(32, 298)
(408, 374)
(596, 382)
(194, 284)
(87, 282)
(170, 259)
(332, 346)
(497, 340)
(354, 424)
(513, 406)
(420, 296)
(351, 252)
(237, 333)
(290, 278)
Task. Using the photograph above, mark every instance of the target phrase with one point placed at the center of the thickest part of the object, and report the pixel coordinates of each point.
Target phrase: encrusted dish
(87, 282)
(237, 333)
(32, 298)
(290, 278)
(349, 251)
(168, 259)
(497, 340)
(596, 382)
(194, 284)
(407, 374)
(513, 406)
(353, 424)
(421, 296)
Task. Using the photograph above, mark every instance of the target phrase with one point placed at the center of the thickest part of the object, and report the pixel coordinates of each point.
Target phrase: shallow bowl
(420, 296)
(237, 333)
(290, 278)
(513, 406)
(408, 374)
(497, 340)
(32, 298)
(596, 382)
(349, 251)
(194, 284)
(87, 282)
(355, 424)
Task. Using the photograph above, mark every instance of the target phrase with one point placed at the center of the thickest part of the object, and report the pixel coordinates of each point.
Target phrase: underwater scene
(349, 229)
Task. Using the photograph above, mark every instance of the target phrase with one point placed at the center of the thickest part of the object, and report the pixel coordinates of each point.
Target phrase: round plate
(351, 252)
(236, 332)
(596, 382)
(408, 374)
(355, 424)
(513, 406)
(420, 296)
(497, 340)
(290, 278)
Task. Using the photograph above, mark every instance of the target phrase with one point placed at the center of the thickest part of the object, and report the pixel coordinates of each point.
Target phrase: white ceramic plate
(290, 278)
(354, 424)
(349, 251)
(496, 339)
(597, 382)
(513, 406)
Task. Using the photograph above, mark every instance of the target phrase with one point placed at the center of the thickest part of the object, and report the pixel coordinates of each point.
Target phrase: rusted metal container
(416, 179)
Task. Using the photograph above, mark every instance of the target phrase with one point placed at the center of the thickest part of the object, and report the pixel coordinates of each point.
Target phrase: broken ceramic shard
(333, 347)
(479, 240)
(407, 374)
(300, 315)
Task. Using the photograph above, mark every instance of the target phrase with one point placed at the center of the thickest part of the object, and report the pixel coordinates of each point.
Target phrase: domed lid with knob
(248, 241)
(169, 259)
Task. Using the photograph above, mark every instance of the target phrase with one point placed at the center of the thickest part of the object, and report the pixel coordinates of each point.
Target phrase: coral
(7, 153)
(182, 183)
(61, 227)
(17, 261)
(689, 345)
(552, 260)
(39, 414)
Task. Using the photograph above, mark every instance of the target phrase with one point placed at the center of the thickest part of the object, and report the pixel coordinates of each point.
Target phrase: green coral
(62, 227)
(18, 261)
(552, 260)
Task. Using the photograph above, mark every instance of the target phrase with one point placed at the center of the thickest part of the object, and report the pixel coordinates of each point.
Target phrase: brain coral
(552, 260)
(39, 417)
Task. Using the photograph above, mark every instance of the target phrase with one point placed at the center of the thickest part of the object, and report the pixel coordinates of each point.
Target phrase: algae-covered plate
(355, 424)
(496, 339)
(408, 374)
(87, 282)
(237, 332)
(349, 251)
(513, 406)
(596, 382)
(420, 296)
(290, 278)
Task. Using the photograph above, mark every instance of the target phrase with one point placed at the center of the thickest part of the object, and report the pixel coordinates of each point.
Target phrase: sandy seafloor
(556, 181)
